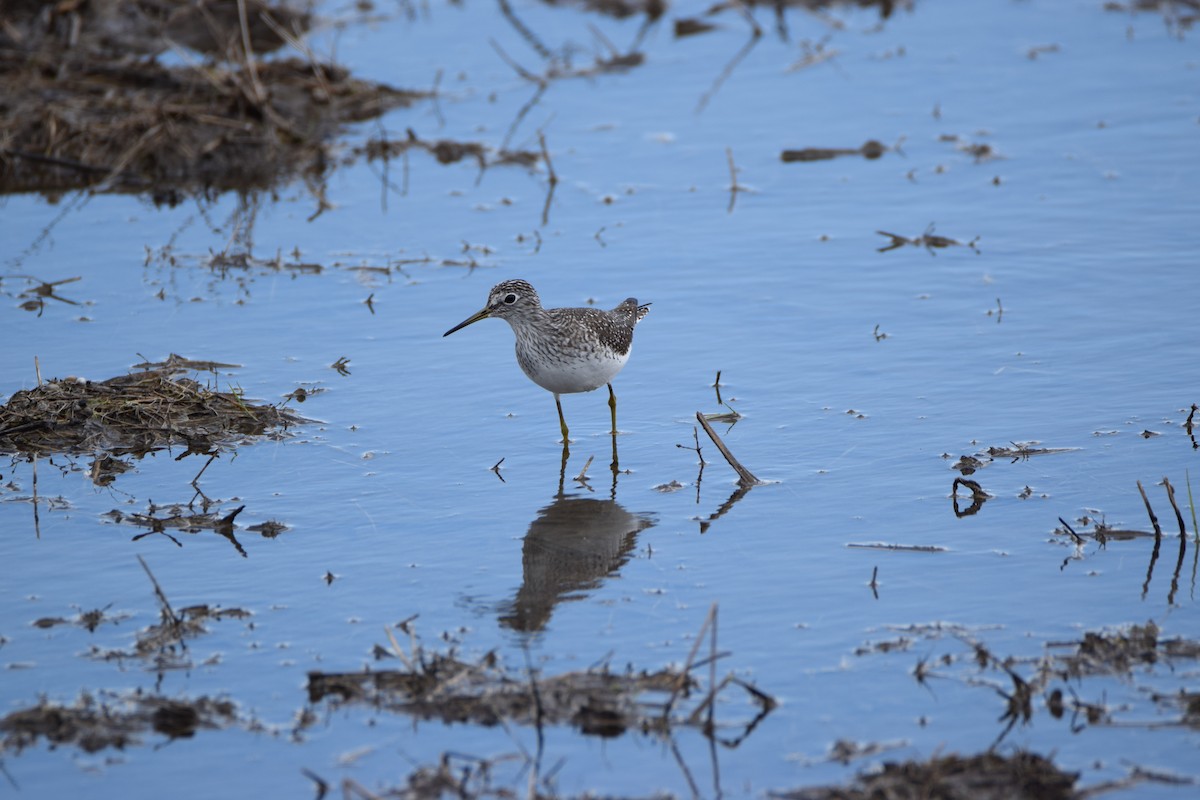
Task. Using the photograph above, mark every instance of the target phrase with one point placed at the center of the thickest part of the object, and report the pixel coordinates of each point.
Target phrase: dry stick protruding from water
(169, 612)
(1150, 511)
(746, 478)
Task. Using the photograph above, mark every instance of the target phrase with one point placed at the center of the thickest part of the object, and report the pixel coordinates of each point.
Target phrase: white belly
(574, 375)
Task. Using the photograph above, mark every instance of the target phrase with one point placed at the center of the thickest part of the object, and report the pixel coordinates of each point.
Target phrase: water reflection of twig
(755, 35)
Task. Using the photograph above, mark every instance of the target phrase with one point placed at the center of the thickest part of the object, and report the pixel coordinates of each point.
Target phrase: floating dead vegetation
(986, 776)
(152, 409)
(598, 701)
(88, 620)
(929, 240)
(466, 777)
(199, 515)
(907, 548)
(110, 720)
(443, 687)
(164, 645)
(979, 496)
(870, 150)
(1061, 680)
(34, 292)
(1180, 16)
(87, 105)
(447, 151)
(1102, 534)
(1015, 451)
(980, 152)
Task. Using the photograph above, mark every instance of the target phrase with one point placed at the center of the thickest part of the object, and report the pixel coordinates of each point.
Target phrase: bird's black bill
(482, 314)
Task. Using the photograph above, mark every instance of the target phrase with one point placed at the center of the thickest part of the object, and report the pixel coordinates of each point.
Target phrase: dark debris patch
(165, 644)
(135, 414)
(1062, 681)
(442, 687)
(929, 240)
(1180, 16)
(1120, 652)
(447, 151)
(95, 723)
(987, 776)
(85, 103)
(88, 620)
(870, 150)
(167, 520)
(597, 701)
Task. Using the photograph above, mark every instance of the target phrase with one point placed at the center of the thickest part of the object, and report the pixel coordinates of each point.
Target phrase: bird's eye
(509, 299)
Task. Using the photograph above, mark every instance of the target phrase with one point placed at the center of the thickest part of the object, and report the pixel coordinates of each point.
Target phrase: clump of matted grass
(154, 408)
(96, 722)
(87, 104)
(952, 777)
(598, 701)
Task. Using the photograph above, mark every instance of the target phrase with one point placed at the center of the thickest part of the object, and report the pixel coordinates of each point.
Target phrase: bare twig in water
(734, 186)
(755, 35)
(168, 612)
(520, 27)
(746, 478)
(1078, 539)
(582, 476)
(1150, 511)
(1175, 506)
(929, 240)
(871, 149)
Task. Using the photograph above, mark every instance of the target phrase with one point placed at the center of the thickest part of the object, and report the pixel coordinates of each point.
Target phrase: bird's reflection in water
(573, 545)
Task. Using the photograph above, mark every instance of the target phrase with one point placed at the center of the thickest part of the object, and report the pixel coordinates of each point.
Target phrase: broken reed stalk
(1192, 504)
(1150, 511)
(1175, 507)
(746, 478)
(1078, 539)
(162, 598)
(248, 53)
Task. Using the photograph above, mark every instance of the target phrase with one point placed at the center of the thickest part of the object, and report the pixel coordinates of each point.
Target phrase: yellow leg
(612, 404)
(562, 421)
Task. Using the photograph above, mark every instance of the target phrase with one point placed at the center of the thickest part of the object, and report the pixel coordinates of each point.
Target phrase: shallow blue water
(1088, 241)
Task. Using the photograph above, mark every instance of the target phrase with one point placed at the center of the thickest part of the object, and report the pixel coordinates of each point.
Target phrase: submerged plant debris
(870, 150)
(929, 240)
(987, 776)
(85, 103)
(442, 687)
(1061, 679)
(598, 701)
(94, 723)
(135, 414)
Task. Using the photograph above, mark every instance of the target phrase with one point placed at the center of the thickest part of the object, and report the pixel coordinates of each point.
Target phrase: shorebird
(564, 350)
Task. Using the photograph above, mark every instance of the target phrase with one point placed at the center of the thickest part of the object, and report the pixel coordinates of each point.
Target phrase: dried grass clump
(85, 103)
(133, 414)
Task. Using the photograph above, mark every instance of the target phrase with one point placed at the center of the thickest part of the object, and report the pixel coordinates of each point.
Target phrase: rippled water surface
(1062, 318)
